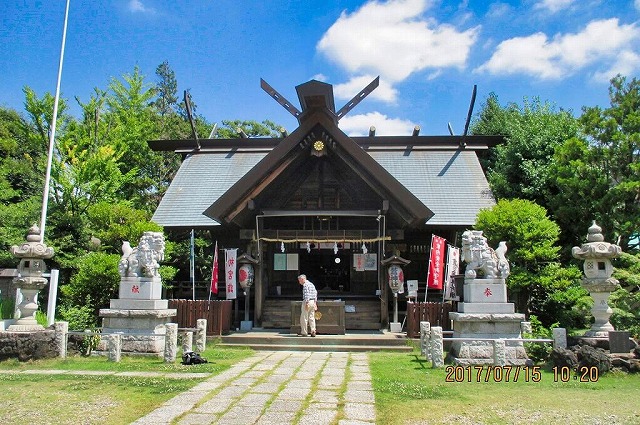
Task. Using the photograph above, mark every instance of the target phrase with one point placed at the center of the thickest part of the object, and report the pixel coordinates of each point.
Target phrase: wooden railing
(435, 313)
(217, 313)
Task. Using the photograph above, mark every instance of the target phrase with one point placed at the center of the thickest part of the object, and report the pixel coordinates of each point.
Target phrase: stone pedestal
(483, 328)
(484, 317)
(137, 312)
(140, 313)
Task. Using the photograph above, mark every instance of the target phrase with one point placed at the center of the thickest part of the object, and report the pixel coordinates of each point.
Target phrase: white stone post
(171, 342)
(526, 329)
(437, 344)
(499, 352)
(115, 347)
(425, 331)
(559, 338)
(61, 331)
(201, 335)
(187, 341)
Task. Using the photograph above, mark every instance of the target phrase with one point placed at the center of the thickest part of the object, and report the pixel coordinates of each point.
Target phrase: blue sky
(428, 53)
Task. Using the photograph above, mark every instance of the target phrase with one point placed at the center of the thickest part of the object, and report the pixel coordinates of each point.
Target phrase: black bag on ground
(191, 357)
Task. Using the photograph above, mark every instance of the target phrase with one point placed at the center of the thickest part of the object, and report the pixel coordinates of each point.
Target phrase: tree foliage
(95, 282)
(614, 136)
(105, 181)
(538, 283)
(21, 161)
(518, 168)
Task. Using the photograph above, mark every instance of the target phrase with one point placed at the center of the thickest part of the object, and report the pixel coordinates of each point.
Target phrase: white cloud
(383, 92)
(637, 4)
(358, 125)
(393, 39)
(601, 43)
(138, 6)
(553, 6)
(627, 63)
(320, 77)
(498, 10)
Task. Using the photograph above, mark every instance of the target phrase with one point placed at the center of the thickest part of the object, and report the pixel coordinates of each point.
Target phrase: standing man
(309, 306)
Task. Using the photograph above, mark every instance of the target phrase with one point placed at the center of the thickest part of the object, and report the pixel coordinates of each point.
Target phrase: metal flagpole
(52, 133)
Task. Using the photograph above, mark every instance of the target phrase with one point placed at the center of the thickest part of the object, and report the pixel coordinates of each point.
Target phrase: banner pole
(192, 261)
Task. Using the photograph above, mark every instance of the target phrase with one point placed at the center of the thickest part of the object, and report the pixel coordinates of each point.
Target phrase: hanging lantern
(396, 277)
(246, 275)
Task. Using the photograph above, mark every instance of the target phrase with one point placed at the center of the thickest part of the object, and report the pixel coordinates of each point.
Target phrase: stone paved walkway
(278, 387)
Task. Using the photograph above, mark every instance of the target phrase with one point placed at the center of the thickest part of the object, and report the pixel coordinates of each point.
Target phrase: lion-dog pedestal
(485, 315)
(140, 313)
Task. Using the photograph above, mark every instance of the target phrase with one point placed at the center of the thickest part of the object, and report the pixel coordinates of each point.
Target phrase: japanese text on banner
(230, 256)
(436, 263)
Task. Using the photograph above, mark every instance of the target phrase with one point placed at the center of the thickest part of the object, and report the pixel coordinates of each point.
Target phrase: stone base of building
(482, 329)
(138, 326)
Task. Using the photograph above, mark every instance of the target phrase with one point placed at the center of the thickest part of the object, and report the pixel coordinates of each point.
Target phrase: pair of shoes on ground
(313, 334)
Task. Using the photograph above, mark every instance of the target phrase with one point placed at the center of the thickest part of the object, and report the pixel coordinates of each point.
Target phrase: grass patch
(218, 360)
(103, 399)
(77, 399)
(409, 391)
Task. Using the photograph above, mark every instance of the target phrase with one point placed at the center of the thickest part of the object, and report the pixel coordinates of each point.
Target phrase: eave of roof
(367, 143)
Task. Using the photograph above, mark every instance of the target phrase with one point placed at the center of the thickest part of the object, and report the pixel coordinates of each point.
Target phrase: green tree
(166, 89)
(22, 161)
(518, 168)
(614, 136)
(96, 281)
(537, 281)
(266, 128)
(115, 222)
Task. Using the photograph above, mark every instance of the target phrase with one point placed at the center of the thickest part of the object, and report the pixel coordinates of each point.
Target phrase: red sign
(436, 263)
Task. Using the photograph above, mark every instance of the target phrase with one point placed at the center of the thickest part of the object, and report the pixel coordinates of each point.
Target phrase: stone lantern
(597, 278)
(395, 276)
(246, 277)
(30, 281)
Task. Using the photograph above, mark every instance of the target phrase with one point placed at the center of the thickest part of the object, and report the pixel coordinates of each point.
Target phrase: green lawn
(73, 399)
(409, 391)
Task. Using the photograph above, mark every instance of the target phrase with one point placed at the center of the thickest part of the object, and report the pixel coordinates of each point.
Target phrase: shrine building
(319, 202)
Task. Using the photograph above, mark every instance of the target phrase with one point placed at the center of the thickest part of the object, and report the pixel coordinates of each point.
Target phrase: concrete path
(278, 387)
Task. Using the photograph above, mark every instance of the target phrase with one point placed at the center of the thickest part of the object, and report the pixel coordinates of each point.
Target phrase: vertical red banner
(436, 263)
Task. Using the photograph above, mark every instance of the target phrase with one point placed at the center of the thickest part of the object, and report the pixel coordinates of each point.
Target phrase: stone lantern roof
(33, 247)
(596, 247)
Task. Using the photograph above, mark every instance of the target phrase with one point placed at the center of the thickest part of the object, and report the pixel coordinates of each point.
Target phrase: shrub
(95, 283)
(626, 311)
(7, 307)
(539, 352)
(80, 317)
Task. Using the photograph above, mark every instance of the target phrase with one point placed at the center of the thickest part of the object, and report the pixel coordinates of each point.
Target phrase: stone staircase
(282, 339)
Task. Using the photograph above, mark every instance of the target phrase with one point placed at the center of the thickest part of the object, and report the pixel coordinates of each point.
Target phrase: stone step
(323, 348)
(283, 340)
